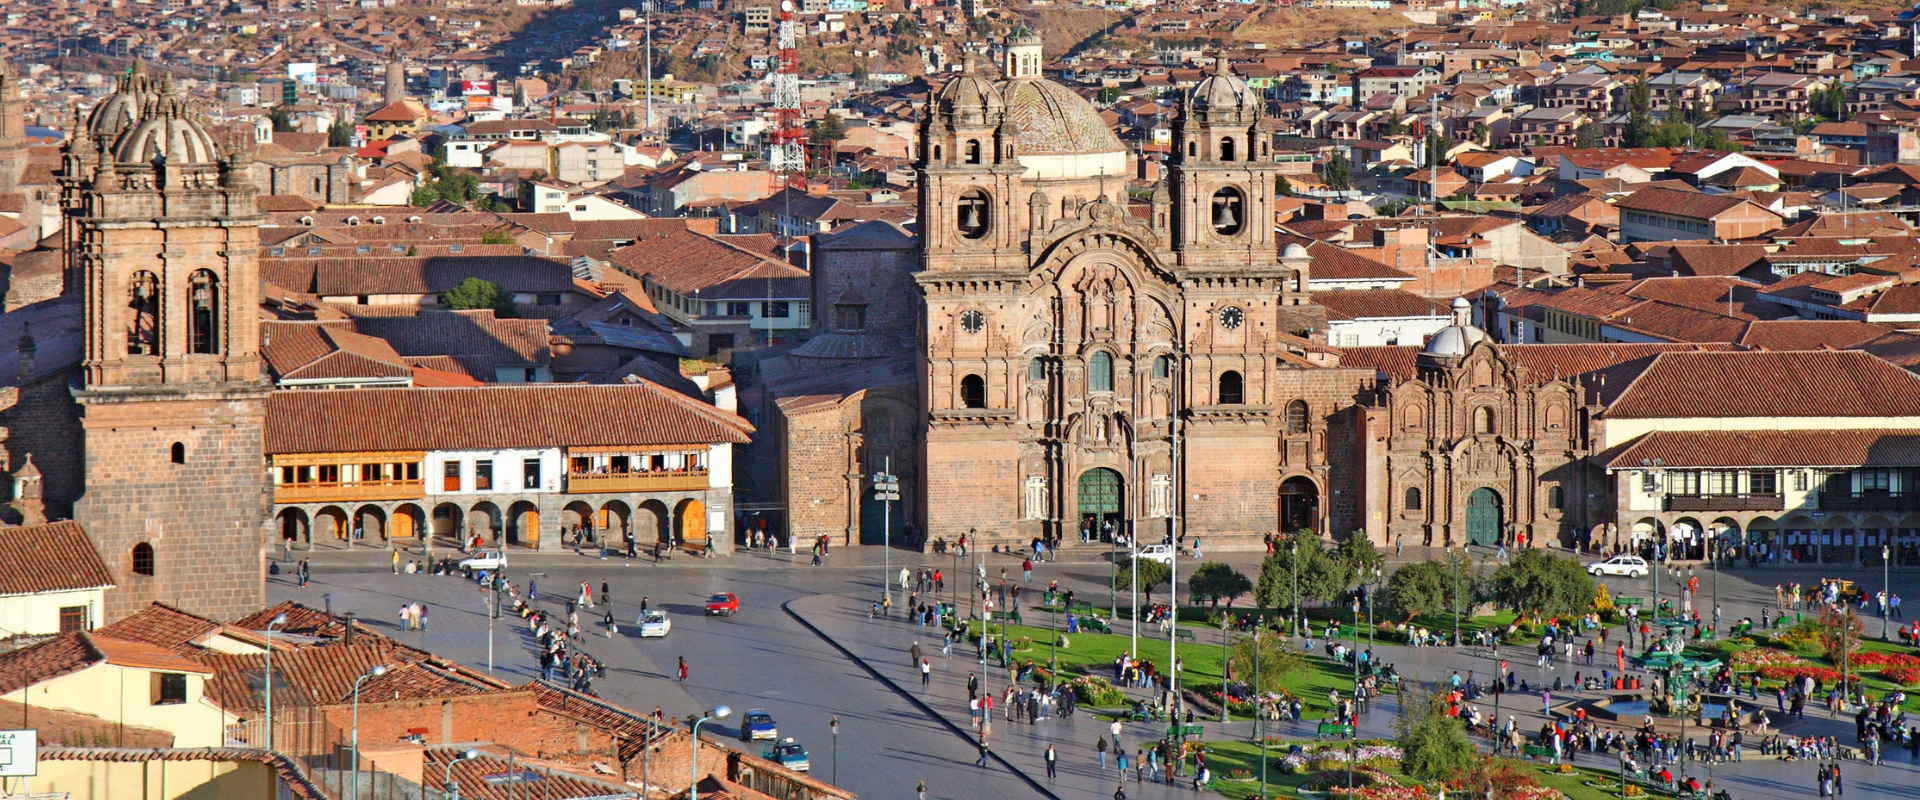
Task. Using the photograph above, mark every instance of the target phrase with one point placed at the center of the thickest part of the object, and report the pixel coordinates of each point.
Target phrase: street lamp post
(1260, 717)
(886, 489)
(1224, 633)
(1353, 728)
(1053, 641)
(972, 544)
(720, 712)
(835, 725)
(279, 620)
(1293, 562)
(1886, 588)
(447, 779)
(1455, 563)
(377, 671)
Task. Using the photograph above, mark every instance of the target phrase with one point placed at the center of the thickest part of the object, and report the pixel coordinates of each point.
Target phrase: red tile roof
(294, 780)
(1376, 303)
(503, 416)
(162, 625)
(1692, 205)
(1826, 448)
(54, 557)
(1769, 384)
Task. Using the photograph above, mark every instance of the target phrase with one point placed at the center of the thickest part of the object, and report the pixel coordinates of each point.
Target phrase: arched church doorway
(1299, 505)
(1483, 517)
(1101, 494)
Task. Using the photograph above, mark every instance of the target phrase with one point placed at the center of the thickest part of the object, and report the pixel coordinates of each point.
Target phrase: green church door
(1100, 495)
(1483, 517)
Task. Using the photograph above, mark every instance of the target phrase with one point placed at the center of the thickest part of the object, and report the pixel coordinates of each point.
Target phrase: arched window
(973, 214)
(1193, 149)
(316, 185)
(203, 313)
(1226, 149)
(1229, 211)
(973, 151)
(1231, 393)
(937, 152)
(1100, 371)
(1297, 416)
(973, 392)
(1413, 498)
(1162, 367)
(143, 559)
(179, 454)
(143, 315)
(1556, 417)
(1414, 417)
(1556, 499)
(1483, 420)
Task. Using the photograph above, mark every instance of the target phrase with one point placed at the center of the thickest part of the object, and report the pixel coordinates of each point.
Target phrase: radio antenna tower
(787, 158)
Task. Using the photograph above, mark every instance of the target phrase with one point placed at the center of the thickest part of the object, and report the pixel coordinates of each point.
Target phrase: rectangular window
(737, 309)
(483, 476)
(413, 471)
(1763, 481)
(1685, 482)
(548, 300)
(777, 309)
(1875, 480)
(329, 473)
(530, 473)
(73, 618)
(452, 482)
(169, 688)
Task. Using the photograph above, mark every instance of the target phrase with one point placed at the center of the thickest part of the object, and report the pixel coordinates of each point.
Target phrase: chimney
(347, 637)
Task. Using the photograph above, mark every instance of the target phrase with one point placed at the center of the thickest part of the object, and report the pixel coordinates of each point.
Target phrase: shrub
(1905, 676)
(1096, 691)
(1885, 660)
(1823, 674)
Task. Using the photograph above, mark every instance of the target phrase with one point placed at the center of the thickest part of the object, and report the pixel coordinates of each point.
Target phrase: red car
(723, 603)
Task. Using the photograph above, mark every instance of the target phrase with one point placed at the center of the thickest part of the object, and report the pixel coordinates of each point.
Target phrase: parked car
(1630, 566)
(758, 724)
(655, 623)
(485, 559)
(1162, 553)
(723, 603)
(787, 753)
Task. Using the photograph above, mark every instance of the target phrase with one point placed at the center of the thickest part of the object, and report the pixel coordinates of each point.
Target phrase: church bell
(1223, 215)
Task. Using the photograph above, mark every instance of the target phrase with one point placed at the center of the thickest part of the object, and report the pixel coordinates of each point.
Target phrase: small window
(1413, 498)
(1226, 149)
(530, 473)
(973, 392)
(1556, 499)
(143, 559)
(1231, 393)
(778, 309)
(1297, 416)
(1162, 367)
(483, 475)
(169, 688)
(973, 152)
(972, 214)
(1484, 420)
(73, 618)
(179, 454)
(362, 249)
(456, 249)
(451, 479)
(1100, 371)
(1036, 370)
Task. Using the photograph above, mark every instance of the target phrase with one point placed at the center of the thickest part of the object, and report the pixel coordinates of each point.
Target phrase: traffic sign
(19, 753)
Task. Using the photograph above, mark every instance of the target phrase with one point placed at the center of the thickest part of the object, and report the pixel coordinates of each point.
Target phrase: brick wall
(203, 517)
(43, 420)
(972, 479)
(883, 278)
(816, 486)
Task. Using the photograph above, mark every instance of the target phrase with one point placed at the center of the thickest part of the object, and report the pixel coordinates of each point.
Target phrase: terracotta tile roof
(476, 334)
(163, 626)
(501, 416)
(711, 268)
(1825, 448)
(294, 780)
(634, 730)
(1903, 299)
(1810, 334)
(54, 557)
(1718, 259)
(301, 620)
(141, 655)
(1672, 202)
(1335, 263)
(1590, 361)
(60, 655)
(1790, 384)
(493, 776)
(307, 350)
(1375, 303)
(369, 275)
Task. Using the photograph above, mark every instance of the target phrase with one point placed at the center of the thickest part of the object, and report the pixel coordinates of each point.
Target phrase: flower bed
(1767, 657)
(1381, 793)
(1886, 660)
(1796, 673)
(1096, 691)
(1905, 676)
(1374, 757)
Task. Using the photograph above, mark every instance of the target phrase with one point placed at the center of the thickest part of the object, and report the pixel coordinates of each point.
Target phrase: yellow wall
(155, 780)
(1616, 431)
(40, 613)
(122, 694)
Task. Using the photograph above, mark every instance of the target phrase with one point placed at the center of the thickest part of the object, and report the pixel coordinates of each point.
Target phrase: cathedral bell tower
(163, 229)
(1222, 175)
(967, 160)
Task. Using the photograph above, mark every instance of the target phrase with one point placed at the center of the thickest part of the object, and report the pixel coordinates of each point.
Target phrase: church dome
(1295, 250)
(1224, 94)
(121, 110)
(1455, 340)
(969, 98)
(168, 127)
(1049, 119)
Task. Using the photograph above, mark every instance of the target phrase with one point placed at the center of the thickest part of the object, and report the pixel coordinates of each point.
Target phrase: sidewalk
(881, 647)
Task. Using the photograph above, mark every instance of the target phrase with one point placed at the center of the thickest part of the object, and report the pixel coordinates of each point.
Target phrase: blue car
(757, 724)
(787, 753)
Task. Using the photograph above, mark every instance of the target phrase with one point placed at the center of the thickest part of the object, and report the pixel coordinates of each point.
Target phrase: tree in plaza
(1338, 173)
(1480, 133)
(1541, 584)
(1422, 588)
(477, 293)
(1275, 657)
(1355, 558)
(1837, 628)
(1152, 573)
(1217, 580)
(1274, 588)
(1434, 746)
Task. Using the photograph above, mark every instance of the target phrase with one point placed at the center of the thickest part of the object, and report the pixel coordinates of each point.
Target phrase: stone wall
(42, 420)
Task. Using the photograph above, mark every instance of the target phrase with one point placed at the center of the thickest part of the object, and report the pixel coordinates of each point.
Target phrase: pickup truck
(485, 559)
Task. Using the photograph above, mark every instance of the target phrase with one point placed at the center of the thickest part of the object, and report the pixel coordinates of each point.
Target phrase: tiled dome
(1049, 119)
(167, 128)
(969, 98)
(1223, 95)
(121, 110)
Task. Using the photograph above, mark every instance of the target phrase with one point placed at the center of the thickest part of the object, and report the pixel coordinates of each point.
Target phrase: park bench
(1199, 598)
(1630, 602)
(1190, 731)
(1533, 751)
(1183, 634)
(1333, 730)
(1096, 624)
(1080, 607)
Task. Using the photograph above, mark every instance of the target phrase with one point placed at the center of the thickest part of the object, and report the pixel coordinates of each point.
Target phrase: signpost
(19, 753)
(886, 489)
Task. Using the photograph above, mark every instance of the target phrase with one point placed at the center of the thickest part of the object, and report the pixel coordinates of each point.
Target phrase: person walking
(606, 594)
(1101, 746)
(921, 792)
(926, 672)
(683, 669)
(396, 560)
(423, 617)
(1052, 765)
(533, 590)
(913, 654)
(983, 751)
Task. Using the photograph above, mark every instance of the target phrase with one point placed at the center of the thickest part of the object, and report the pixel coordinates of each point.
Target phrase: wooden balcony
(589, 483)
(1870, 501)
(1725, 502)
(355, 492)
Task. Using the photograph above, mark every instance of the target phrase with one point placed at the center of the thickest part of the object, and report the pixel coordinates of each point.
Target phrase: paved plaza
(803, 648)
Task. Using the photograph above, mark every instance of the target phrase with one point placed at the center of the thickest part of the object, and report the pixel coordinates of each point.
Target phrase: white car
(485, 559)
(1630, 566)
(1162, 553)
(655, 623)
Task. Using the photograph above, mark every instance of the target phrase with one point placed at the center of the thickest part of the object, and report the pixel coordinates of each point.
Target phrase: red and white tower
(787, 155)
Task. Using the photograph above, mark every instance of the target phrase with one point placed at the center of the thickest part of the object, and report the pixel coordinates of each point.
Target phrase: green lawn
(1228, 757)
